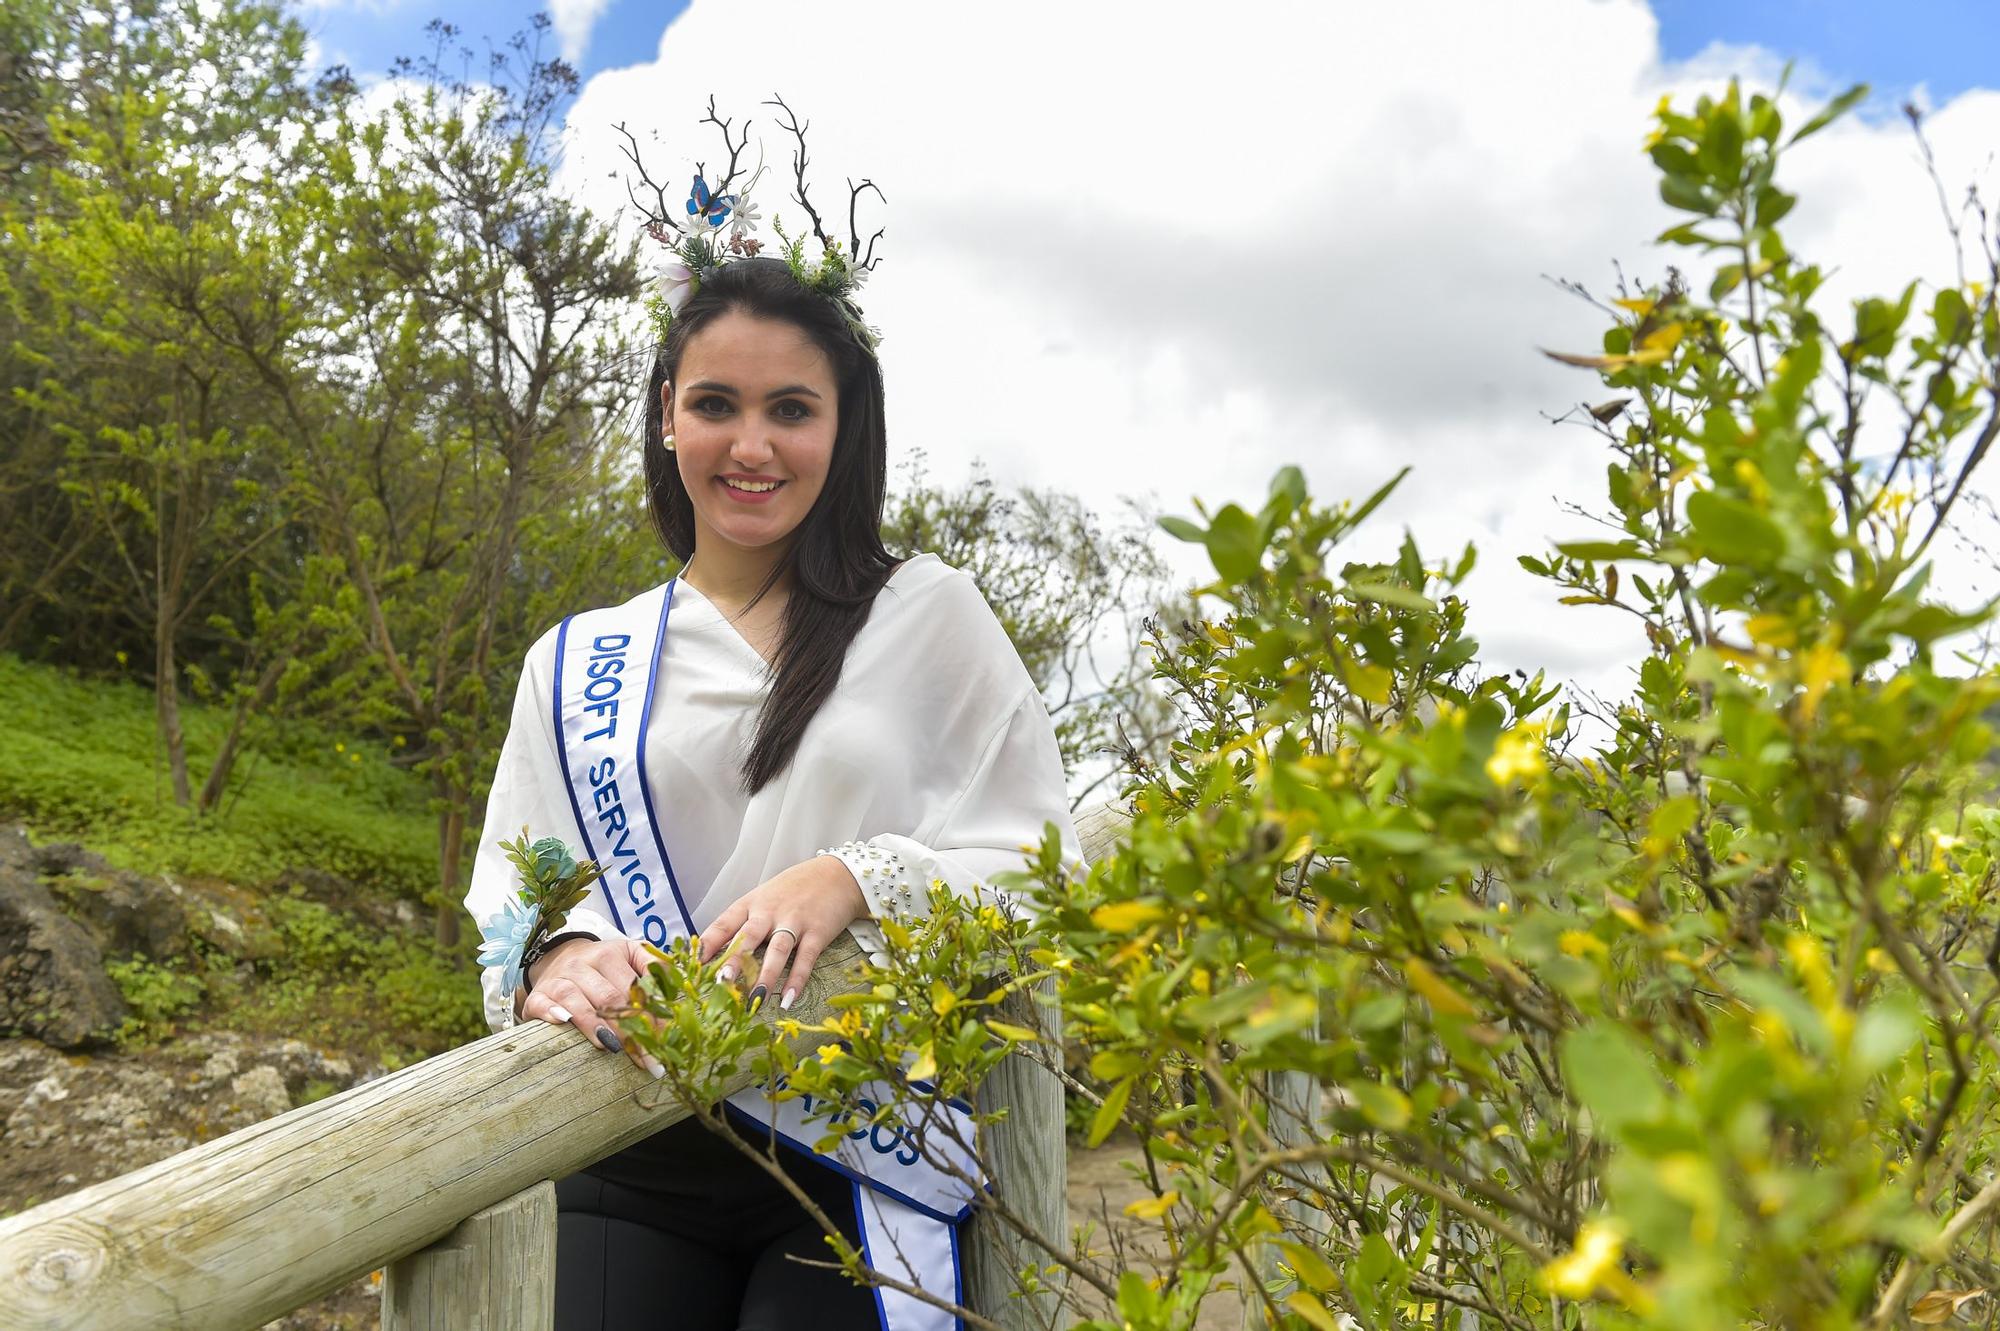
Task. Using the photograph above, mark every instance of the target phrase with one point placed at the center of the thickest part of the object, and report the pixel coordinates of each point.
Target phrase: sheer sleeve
(529, 791)
(996, 822)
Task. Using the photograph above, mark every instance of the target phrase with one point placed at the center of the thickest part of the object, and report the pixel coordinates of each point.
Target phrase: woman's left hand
(806, 907)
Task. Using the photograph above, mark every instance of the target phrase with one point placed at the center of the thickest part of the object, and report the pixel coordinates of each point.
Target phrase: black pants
(681, 1232)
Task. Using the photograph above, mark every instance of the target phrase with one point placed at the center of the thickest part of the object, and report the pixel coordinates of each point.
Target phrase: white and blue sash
(908, 1203)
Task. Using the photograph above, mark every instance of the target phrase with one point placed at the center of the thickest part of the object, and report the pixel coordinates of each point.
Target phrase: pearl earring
(667, 442)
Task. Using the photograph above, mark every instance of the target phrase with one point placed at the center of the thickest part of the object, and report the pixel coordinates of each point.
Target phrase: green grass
(80, 760)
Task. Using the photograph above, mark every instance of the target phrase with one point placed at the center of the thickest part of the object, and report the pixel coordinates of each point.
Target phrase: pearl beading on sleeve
(884, 877)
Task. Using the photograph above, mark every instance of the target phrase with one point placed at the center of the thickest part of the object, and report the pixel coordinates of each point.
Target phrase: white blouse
(934, 758)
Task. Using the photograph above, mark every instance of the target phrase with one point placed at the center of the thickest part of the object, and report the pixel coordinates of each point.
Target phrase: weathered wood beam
(237, 1231)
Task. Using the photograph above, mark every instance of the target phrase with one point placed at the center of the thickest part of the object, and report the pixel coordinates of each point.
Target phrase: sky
(1944, 45)
(1160, 250)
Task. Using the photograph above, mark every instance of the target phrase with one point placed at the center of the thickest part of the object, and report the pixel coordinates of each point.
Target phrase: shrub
(155, 995)
(1423, 1013)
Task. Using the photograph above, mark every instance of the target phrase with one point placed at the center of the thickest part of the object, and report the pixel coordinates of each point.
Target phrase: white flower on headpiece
(856, 275)
(674, 285)
(745, 214)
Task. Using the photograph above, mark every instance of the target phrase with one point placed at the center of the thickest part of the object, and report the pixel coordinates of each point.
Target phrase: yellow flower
(338, 747)
(1819, 669)
(788, 1027)
(1578, 1273)
(1518, 756)
(1772, 630)
(829, 1054)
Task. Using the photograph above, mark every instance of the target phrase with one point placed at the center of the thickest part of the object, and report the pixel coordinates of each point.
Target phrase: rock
(380, 913)
(66, 1122)
(125, 913)
(259, 1094)
(221, 929)
(226, 1057)
(33, 1121)
(52, 980)
(301, 1065)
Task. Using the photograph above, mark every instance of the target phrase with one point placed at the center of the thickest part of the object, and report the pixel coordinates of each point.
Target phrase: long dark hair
(837, 560)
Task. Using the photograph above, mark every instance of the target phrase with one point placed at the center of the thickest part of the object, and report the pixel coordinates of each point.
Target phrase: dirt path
(1100, 1187)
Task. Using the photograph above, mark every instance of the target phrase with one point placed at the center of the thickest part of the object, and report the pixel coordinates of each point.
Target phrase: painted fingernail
(727, 973)
(654, 1066)
(785, 1003)
(756, 996)
(559, 1014)
(609, 1039)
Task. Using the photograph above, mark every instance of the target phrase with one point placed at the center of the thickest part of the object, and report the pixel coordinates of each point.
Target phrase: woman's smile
(746, 491)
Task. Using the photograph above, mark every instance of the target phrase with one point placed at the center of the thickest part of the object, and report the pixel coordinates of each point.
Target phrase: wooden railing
(441, 1173)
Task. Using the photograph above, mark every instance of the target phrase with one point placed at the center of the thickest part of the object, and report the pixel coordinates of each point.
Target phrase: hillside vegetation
(301, 889)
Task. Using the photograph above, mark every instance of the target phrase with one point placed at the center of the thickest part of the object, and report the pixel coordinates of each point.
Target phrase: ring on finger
(782, 929)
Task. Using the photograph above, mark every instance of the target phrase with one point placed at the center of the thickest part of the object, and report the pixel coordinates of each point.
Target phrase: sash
(906, 1200)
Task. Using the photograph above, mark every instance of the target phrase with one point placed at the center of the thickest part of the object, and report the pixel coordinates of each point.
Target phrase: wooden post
(1028, 1151)
(1028, 1157)
(496, 1271)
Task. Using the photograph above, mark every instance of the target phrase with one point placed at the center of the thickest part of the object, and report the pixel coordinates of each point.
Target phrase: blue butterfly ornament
(708, 211)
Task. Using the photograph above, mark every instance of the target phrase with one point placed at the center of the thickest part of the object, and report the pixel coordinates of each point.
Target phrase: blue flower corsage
(553, 881)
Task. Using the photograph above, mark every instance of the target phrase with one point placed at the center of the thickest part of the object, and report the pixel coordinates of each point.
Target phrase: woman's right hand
(580, 981)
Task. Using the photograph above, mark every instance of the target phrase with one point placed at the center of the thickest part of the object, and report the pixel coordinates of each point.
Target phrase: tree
(487, 318)
(137, 262)
(1075, 597)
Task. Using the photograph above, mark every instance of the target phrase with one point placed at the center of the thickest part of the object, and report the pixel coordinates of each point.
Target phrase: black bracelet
(543, 948)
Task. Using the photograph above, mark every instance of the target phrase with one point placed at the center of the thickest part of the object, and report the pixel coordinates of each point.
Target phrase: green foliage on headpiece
(691, 235)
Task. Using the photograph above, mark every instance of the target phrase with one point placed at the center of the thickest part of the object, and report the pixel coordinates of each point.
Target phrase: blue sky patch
(1892, 45)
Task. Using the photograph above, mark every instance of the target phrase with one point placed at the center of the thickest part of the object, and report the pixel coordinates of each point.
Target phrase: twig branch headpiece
(692, 233)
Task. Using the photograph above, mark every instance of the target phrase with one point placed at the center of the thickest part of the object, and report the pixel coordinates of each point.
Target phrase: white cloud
(1164, 248)
(574, 20)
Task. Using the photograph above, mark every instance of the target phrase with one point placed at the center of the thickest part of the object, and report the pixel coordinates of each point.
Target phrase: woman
(827, 731)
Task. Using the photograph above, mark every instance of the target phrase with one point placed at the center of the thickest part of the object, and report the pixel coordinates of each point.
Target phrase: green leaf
(1108, 1064)
(1291, 483)
(1182, 529)
(1833, 110)
(1384, 1106)
(1612, 1075)
(1733, 532)
(1773, 205)
(1137, 1299)
(1390, 594)
(1884, 1034)
(1311, 1309)
(1722, 143)
(1313, 1270)
(1374, 501)
(1108, 1114)
(1687, 195)
(1601, 549)
(1375, 1260)
(1235, 544)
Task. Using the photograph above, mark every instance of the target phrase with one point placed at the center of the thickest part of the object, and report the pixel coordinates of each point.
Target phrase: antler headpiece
(693, 235)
